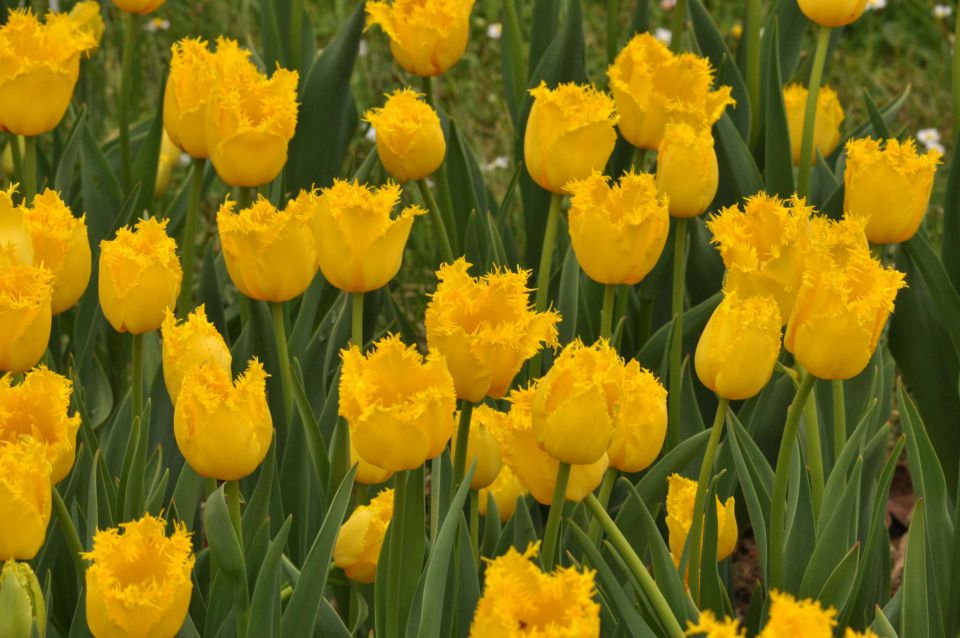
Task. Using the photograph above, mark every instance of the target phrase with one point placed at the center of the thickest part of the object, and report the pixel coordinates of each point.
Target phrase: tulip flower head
(360, 241)
(792, 617)
(21, 602)
(482, 448)
(24, 498)
(709, 626)
(16, 244)
(889, 185)
(505, 490)
(426, 38)
(687, 169)
(193, 74)
(410, 142)
(569, 135)
(833, 13)
(139, 277)
(141, 7)
(357, 550)
(189, 344)
(485, 328)
(367, 473)
(641, 423)
(26, 293)
(826, 129)
(223, 427)
(86, 15)
(39, 66)
(139, 579)
(618, 231)
(520, 600)
(681, 493)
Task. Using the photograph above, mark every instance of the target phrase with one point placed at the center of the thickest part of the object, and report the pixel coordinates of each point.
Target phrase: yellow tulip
(570, 134)
(840, 241)
(425, 39)
(833, 13)
(25, 296)
(789, 615)
(520, 600)
(505, 490)
(189, 344)
(368, 473)
(39, 65)
(485, 328)
(687, 169)
(193, 75)
(60, 244)
(739, 346)
(888, 185)
(399, 405)
(709, 626)
(681, 493)
(641, 423)
(826, 128)
(576, 405)
(360, 538)
(39, 408)
(168, 159)
(86, 15)
(536, 469)
(223, 427)
(618, 231)
(139, 277)
(21, 602)
(25, 491)
(482, 449)
(271, 254)
(141, 7)
(16, 245)
(409, 138)
(359, 241)
(139, 580)
(651, 85)
(763, 244)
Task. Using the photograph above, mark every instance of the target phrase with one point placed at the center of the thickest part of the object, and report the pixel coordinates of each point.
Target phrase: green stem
(606, 314)
(753, 68)
(232, 490)
(660, 605)
(286, 374)
(613, 37)
(839, 418)
(515, 46)
(356, 319)
(814, 452)
(810, 115)
(14, 143)
(778, 503)
(69, 530)
(463, 437)
(442, 180)
(679, 24)
(956, 77)
(676, 336)
(210, 484)
(551, 534)
(126, 86)
(639, 159)
(296, 34)
(606, 489)
(188, 243)
(446, 250)
(543, 271)
(29, 168)
(436, 480)
(475, 525)
(393, 594)
(136, 382)
(244, 196)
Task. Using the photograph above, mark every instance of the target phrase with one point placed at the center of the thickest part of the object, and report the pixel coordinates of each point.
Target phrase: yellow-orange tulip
(86, 15)
(25, 498)
(192, 76)
(687, 169)
(410, 141)
(641, 423)
(189, 344)
(788, 615)
(681, 493)
(425, 39)
(360, 538)
(367, 473)
(482, 448)
(826, 129)
(709, 626)
(505, 490)
(25, 297)
(833, 13)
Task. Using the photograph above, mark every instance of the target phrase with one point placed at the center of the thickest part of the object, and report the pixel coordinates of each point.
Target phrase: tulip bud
(409, 138)
(189, 344)
(141, 7)
(367, 473)
(482, 448)
(271, 254)
(833, 13)
(192, 77)
(787, 614)
(485, 328)
(505, 490)
(25, 296)
(41, 63)
(360, 539)
(681, 494)
(139, 580)
(687, 169)
(223, 427)
(425, 39)
(641, 424)
(22, 607)
(739, 346)
(86, 15)
(889, 186)
(139, 277)
(166, 162)
(569, 135)
(360, 243)
(25, 492)
(618, 231)
(16, 245)
(826, 128)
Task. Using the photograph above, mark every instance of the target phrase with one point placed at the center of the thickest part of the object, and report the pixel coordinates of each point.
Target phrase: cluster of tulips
(794, 280)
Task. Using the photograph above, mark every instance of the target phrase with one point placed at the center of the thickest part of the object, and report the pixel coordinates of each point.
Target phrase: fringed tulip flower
(192, 76)
(25, 498)
(826, 130)
(505, 490)
(23, 612)
(709, 626)
(360, 539)
(141, 7)
(86, 15)
(833, 13)
(426, 39)
(410, 141)
(189, 344)
(16, 244)
(367, 473)
(681, 493)
(641, 424)
(791, 617)
(26, 293)
(687, 169)
(482, 449)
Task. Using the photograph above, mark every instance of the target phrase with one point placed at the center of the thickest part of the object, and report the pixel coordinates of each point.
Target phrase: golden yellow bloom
(139, 580)
(426, 39)
(888, 184)
(739, 346)
(505, 489)
(25, 296)
(519, 600)
(618, 231)
(271, 254)
(139, 277)
(570, 134)
(189, 344)
(790, 617)
(709, 626)
(576, 406)
(409, 138)
(833, 13)
(485, 328)
(141, 7)
(482, 448)
(651, 86)
(223, 427)
(368, 473)
(60, 245)
(681, 493)
(86, 15)
(641, 422)
(398, 404)
(249, 119)
(39, 65)
(39, 408)
(169, 156)
(21, 602)
(193, 74)
(360, 538)
(826, 128)
(687, 169)
(867, 633)
(16, 245)
(24, 498)
(360, 243)
(763, 245)
(536, 469)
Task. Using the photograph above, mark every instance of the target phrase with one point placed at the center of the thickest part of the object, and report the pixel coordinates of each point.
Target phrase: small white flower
(371, 134)
(942, 11)
(363, 49)
(666, 5)
(54, 5)
(184, 159)
(930, 138)
(664, 35)
(873, 5)
(156, 24)
(494, 30)
(498, 163)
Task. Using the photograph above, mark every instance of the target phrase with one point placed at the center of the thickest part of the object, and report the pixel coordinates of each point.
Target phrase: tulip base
(551, 535)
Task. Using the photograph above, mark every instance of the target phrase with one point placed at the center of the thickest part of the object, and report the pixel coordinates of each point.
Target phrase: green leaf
(739, 175)
(102, 197)
(950, 248)
(778, 157)
(569, 300)
(265, 603)
(914, 617)
(144, 170)
(222, 536)
(836, 590)
(65, 176)
(755, 509)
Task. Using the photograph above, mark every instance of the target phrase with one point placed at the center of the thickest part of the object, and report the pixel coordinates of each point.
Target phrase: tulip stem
(956, 78)
(613, 36)
(839, 418)
(286, 375)
(606, 314)
(676, 336)
(551, 535)
(606, 489)
(660, 605)
(69, 530)
(814, 452)
(126, 86)
(232, 490)
(639, 159)
(515, 47)
(29, 168)
(463, 438)
(810, 115)
(475, 525)
(446, 250)
(356, 319)
(296, 35)
(188, 243)
(13, 141)
(778, 502)
(436, 480)
(543, 271)
(753, 68)
(679, 23)
(136, 383)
